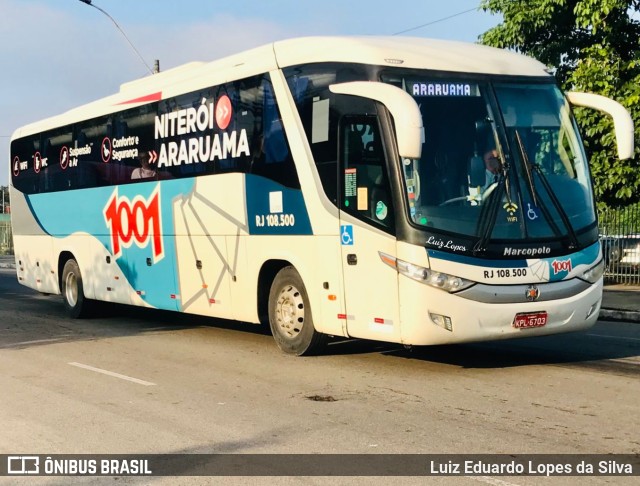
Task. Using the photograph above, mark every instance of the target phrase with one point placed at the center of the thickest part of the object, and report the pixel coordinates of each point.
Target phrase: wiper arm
(527, 169)
(488, 216)
(573, 244)
(487, 223)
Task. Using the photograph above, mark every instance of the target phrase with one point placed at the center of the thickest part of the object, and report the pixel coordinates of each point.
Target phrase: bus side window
(312, 97)
(274, 160)
(366, 191)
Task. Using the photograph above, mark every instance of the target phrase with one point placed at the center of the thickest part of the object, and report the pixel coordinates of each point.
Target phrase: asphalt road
(139, 381)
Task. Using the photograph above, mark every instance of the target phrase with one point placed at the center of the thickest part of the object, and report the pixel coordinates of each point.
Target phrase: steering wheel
(455, 199)
(490, 189)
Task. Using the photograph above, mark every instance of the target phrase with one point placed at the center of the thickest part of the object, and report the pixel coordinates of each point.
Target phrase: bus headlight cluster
(439, 280)
(594, 273)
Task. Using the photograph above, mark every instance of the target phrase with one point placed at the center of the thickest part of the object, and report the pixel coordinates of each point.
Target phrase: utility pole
(157, 62)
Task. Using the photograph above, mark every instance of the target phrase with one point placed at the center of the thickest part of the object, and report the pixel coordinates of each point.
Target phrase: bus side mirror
(405, 111)
(622, 120)
(477, 175)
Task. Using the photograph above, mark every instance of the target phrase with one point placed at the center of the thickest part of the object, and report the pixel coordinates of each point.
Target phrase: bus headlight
(439, 280)
(594, 273)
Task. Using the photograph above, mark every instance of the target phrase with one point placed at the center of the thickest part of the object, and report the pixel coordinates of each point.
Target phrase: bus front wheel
(290, 315)
(73, 291)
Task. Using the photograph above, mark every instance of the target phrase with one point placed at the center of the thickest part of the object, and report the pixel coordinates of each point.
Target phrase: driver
(492, 167)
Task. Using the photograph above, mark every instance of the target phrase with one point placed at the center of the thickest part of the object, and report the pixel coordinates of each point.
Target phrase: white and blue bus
(396, 189)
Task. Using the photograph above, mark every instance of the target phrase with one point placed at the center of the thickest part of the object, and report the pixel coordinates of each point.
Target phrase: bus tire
(72, 290)
(290, 315)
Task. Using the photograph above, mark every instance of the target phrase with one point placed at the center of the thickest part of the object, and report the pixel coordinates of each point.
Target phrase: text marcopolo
(541, 250)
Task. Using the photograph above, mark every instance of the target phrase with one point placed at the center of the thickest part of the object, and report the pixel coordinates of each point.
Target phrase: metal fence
(620, 236)
(6, 239)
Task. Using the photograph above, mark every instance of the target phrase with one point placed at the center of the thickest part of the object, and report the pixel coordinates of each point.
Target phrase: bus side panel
(331, 301)
(324, 216)
(23, 221)
(371, 286)
(316, 259)
(102, 277)
(33, 250)
(36, 267)
(244, 289)
(205, 219)
(279, 221)
(121, 236)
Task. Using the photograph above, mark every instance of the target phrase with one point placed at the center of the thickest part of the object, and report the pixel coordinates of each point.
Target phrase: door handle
(352, 259)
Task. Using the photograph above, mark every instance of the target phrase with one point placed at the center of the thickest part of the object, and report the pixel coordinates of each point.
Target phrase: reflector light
(441, 321)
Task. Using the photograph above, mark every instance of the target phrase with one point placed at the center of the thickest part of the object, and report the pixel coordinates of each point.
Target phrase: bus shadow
(29, 319)
(586, 349)
(603, 347)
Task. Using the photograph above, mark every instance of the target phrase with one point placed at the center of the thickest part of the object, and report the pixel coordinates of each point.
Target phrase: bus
(404, 190)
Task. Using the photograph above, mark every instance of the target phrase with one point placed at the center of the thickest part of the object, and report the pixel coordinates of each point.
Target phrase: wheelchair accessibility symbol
(346, 234)
(532, 212)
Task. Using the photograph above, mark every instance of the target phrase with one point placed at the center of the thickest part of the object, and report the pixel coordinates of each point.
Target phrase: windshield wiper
(486, 223)
(489, 213)
(527, 168)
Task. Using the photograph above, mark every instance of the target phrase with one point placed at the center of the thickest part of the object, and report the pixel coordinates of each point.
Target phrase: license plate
(526, 320)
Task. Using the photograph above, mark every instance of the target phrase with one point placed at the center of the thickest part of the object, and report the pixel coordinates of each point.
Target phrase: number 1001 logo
(135, 221)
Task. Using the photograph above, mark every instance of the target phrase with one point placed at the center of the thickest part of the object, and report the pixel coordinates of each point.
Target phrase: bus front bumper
(443, 318)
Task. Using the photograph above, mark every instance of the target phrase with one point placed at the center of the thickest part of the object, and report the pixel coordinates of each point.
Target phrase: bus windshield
(500, 161)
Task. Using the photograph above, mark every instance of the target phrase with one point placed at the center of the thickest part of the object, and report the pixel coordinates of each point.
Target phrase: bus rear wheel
(290, 315)
(72, 289)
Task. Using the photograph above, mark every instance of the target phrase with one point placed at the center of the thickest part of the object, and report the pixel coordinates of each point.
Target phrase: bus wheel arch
(267, 274)
(290, 315)
(72, 287)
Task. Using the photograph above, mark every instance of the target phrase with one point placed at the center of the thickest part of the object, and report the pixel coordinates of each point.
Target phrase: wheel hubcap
(71, 289)
(290, 311)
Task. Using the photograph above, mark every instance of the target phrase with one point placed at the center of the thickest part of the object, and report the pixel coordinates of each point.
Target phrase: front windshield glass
(539, 117)
(500, 161)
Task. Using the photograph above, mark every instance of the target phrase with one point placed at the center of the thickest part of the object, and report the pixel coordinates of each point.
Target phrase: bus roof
(413, 52)
(408, 52)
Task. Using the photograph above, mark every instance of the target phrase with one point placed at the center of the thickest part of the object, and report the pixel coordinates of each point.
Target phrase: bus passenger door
(367, 229)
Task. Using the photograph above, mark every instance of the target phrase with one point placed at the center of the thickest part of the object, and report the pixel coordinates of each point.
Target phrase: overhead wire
(448, 17)
(436, 21)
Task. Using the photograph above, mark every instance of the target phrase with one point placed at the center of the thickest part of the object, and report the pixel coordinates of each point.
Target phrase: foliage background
(592, 46)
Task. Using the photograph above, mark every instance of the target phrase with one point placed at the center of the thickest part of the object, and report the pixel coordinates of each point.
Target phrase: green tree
(592, 46)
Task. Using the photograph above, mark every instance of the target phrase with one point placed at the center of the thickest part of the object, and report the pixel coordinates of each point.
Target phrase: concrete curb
(620, 315)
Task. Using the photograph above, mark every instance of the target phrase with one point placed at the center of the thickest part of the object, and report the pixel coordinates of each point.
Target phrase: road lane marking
(111, 373)
(492, 481)
(614, 337)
